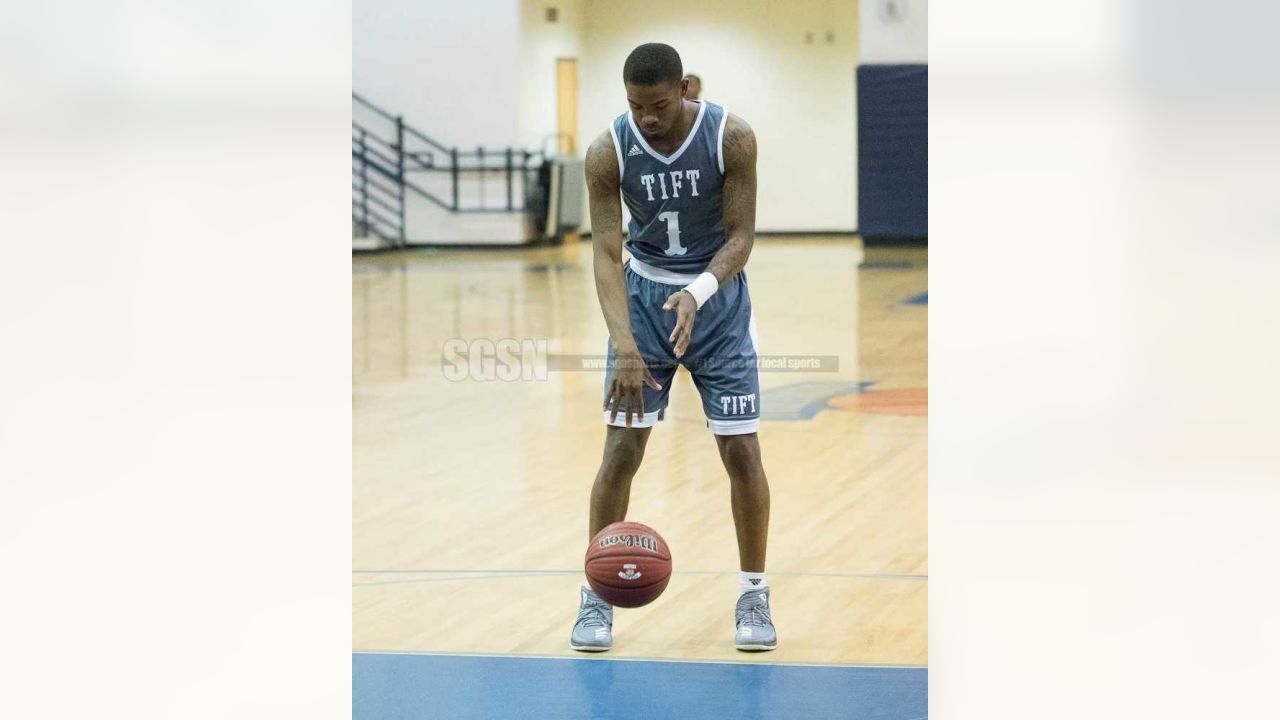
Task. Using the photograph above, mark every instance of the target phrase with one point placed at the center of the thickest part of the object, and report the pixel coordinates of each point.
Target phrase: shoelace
(753, 610)
(592, 614)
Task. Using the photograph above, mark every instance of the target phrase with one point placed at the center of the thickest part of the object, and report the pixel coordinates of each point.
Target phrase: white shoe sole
(756, 648)
(590, 648)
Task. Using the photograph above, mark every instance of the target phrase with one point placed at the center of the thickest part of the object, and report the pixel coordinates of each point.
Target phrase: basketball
(628, 564)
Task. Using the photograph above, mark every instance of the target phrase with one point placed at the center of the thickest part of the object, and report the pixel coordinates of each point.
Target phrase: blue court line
(921, 299)
(403, 685)
(758, 658)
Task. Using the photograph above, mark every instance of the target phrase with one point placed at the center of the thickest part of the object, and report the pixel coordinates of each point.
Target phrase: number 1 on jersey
(673, 233)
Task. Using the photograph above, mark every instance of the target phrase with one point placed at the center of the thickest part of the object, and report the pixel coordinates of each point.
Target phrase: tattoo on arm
(603, 187)
(739, 200)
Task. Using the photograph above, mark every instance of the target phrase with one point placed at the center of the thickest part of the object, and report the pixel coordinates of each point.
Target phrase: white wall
(753, 58)
(481, 72)
(454, 71)
(484, 72)
(894, 31)
(541, 44)
(451, 68)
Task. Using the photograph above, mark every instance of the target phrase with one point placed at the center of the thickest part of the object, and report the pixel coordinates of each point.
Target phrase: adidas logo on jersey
(635, 150)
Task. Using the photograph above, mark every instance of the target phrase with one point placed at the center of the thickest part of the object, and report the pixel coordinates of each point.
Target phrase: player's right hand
(626, 390)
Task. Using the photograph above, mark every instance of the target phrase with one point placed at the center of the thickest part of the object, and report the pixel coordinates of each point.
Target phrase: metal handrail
(377, 216)
(398, 119)
(389, 159)
(391, 175)
(379, 186)
(371, 152)
(356, 96)
(414, 132)
(372, 228)
(378, 201)
(387, 144)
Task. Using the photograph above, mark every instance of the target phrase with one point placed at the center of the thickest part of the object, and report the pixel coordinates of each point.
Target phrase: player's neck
(676, 137)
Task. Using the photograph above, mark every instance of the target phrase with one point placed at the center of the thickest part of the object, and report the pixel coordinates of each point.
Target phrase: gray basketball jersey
(676, 205)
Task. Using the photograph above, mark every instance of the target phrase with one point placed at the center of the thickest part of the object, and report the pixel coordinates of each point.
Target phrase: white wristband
(703, 288)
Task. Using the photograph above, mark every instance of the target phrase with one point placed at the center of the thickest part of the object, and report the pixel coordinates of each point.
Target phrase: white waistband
(658, 275)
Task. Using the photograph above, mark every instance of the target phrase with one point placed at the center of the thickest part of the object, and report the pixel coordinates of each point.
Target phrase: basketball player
(687, 171)
(693, 90)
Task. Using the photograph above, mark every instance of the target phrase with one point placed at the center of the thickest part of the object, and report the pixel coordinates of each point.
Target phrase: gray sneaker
(593, 632)
(755, 627)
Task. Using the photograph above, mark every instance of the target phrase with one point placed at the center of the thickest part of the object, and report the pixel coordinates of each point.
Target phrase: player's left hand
(686, 309)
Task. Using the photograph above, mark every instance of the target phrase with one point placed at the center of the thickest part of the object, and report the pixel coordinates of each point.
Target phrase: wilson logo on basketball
(629, 572)
(639, 541)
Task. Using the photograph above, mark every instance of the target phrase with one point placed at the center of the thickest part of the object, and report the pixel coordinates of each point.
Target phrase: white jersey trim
(693, 132)
(617, 148)
(649, 419)
(734, 427)
(724, 120)
(658, 275)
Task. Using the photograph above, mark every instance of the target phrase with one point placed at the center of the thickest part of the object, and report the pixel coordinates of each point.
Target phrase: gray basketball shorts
(721, 355)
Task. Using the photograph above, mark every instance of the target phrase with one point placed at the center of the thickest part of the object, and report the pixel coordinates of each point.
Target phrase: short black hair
(653, 64)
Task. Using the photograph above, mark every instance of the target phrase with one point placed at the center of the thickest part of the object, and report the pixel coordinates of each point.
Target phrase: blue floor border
(411, 685)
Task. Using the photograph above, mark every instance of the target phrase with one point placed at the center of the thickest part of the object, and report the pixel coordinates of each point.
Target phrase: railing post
(400, 171)
(509, 206)
(453, 154)
(364, 186)
(482, 173)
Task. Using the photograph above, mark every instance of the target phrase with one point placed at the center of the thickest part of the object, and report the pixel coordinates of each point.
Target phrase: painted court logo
(629, 572)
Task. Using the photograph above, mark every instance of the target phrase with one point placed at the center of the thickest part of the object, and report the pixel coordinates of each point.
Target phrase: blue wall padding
(893, 151)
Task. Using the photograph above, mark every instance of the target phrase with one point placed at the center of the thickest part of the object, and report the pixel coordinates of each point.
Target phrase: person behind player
(693, 90)
(687, 171)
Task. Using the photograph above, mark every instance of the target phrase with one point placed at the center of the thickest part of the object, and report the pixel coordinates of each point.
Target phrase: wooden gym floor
(470, 495)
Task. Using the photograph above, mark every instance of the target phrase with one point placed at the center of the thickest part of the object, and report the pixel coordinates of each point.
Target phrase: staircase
(397, 170)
